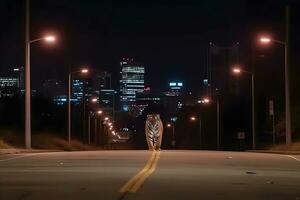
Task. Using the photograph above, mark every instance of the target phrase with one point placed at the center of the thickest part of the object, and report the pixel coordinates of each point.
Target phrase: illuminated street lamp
(106, 118)
(193, 119)
(99, 112)
(82, 71)
(265, 40)
(89, 121)
(268, 40)
(172, 125)
(207, 100)
(94, 100)
(28, 42)
(238, 70)
(50, 38)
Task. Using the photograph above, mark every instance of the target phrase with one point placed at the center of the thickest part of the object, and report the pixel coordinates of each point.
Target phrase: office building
(81, 90)
(21, 76)
(131, 83)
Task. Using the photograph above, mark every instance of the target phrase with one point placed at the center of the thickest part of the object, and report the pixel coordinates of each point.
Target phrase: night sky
(169, 37)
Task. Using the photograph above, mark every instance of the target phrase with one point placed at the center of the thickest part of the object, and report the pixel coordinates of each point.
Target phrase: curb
(18, 151)
(276, 152)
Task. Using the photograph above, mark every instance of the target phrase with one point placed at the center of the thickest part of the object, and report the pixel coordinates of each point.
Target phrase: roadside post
(241, 136)
(271, 113)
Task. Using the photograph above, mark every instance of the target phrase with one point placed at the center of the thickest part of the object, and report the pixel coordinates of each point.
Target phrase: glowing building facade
(131, 83)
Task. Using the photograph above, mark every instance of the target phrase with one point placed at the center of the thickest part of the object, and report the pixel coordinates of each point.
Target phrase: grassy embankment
(13, 139)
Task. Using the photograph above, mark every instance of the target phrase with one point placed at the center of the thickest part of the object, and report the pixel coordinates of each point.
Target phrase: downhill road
(143, 175)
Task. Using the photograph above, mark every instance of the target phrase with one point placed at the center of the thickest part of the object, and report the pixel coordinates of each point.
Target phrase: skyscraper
(131, 83)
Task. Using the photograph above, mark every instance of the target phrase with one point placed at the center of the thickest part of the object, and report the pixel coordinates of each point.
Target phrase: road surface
(142, 175)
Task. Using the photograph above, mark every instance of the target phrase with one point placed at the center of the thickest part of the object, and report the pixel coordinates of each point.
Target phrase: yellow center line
(142, 179)
(135, 182)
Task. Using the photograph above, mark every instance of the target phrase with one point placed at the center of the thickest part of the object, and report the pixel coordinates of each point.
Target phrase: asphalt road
(142, 175)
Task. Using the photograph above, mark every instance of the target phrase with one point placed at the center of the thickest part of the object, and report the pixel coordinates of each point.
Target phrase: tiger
(154, 132)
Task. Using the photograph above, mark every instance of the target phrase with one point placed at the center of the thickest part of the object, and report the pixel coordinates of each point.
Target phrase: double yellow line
(136, 182)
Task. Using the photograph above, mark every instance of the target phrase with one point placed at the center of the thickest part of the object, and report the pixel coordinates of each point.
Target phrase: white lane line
(293, 158)
(17, 157)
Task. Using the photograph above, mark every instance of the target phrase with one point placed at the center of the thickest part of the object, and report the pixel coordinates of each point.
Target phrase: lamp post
(207, 101)
(90, 114)
(238, 70)
(28, 42)
(268, 40)
(99, 112)
(83, 71)
(89, 127)
(200, 128)
(172, 125)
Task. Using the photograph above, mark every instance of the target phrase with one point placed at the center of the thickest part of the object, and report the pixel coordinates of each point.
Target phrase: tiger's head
(153, 118)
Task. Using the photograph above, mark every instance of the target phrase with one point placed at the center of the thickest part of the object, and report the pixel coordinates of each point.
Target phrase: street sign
(241, 135)
(271, 107)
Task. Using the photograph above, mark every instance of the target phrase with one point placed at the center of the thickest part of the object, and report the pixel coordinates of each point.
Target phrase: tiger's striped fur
(154, 131)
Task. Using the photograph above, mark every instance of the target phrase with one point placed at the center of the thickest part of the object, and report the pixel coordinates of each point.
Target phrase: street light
(50, 38)
(238, 70)
(265, 40)
(207, 100)
(193, 118)
(91, 114)
(94, 100)
(28, 42)
(82, 71)
(172, 125)
(268, 40)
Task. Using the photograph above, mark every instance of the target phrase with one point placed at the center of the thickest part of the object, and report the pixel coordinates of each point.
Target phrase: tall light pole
(267, 40)
(83, 71)
(28, 42)
(238, 70)
(172, 125)
(90, 114)
(27, 79)
(99, 112)
(200, 128)
(218, 123)
(207, 101)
